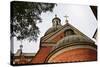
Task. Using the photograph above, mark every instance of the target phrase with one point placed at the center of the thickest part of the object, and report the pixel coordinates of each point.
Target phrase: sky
(80, 16)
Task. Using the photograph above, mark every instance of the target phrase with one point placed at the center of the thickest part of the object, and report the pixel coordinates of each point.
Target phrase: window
(68, 32)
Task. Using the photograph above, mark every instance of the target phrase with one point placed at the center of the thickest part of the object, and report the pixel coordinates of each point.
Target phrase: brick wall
(80, 54)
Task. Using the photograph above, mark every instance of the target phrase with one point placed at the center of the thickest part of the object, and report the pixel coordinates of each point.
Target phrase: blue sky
(80, 16)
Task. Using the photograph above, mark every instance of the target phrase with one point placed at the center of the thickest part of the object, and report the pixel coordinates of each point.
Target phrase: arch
(68, 32)
(69, 47)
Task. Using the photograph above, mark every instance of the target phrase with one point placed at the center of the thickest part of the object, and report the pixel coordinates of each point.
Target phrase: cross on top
(55, 15)
(66, 18)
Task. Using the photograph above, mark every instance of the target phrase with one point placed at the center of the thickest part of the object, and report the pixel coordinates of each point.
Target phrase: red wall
(80, 54)
(58, 37)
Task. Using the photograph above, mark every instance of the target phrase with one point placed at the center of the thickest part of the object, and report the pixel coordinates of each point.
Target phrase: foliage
(25, 16)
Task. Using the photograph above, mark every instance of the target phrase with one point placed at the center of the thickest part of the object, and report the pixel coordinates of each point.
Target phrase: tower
(56, 21)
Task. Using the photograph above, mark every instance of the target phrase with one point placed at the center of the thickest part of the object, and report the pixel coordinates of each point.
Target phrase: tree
(24, 18)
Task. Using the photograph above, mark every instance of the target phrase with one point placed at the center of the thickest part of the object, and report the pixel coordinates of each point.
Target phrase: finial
(55, 15)
(21, 46)
(66, 18)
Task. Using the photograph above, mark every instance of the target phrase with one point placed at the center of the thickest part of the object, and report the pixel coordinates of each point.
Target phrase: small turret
(56, 21)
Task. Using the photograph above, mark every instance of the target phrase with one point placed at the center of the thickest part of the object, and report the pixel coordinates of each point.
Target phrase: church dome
(56, 24)
(73, 39)
(56, 18)
(52, 29)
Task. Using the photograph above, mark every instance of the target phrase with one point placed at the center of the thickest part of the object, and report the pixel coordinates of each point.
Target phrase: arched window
(69, 32)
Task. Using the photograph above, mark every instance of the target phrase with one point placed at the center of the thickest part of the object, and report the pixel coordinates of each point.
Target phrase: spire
(21, 46)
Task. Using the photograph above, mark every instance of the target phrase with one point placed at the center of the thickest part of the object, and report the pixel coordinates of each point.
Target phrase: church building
(64, 43)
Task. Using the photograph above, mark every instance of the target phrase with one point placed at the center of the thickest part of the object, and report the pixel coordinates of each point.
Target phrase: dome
(56, 24)
(73, 39)
(52, 29)
(56, 18)
(81, 51)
